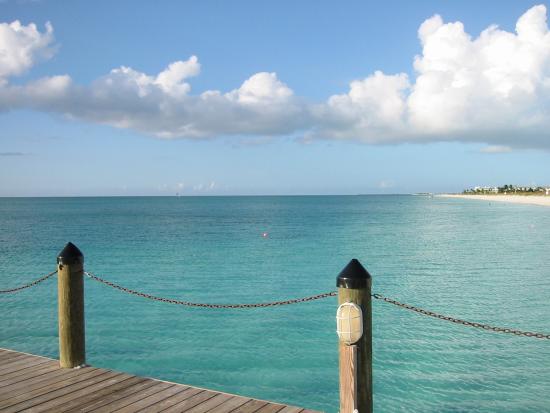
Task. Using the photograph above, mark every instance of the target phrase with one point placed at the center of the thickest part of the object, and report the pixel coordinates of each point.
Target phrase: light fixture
(349, 323)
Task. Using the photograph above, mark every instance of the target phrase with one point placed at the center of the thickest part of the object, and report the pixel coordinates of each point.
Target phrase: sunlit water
(486, 262)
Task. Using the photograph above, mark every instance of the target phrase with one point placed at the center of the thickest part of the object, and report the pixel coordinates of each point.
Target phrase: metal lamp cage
(349, 323)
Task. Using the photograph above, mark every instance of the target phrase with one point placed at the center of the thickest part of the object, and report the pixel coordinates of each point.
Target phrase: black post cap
(354, 275)
(70, 254)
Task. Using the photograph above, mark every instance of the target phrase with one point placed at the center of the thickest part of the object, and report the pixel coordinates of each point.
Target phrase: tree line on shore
(509, 190)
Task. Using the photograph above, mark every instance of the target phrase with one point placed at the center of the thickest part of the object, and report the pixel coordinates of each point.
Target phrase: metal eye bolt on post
(70, 289)
(354, 328)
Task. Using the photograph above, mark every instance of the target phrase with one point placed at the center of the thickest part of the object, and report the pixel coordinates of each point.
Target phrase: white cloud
(202, 187)
(262, 88)
(21, 46)
(373, 106)
(160, 105)
(494, 83)
(493, 88)
(385, 184)
(496, 149)
(171, 80)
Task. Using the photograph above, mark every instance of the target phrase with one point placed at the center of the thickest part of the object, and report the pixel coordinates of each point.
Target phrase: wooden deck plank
(31, 371)
(250, 407)
(166, 403)
(175, 399)
(13, 359)
(121, 403)
(231, 404)
(52, 388)
(20, 365)
(28, 404)
(6, 353)
(291, 409)
(91, 389)
(152, 399)
(81, 400)
(10, 355)
(102, 401)
(210, 404)
(271, 408)
(35, 384)
(190, 402)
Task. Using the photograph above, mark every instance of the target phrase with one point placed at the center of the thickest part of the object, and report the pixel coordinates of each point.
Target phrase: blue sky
(298, 107)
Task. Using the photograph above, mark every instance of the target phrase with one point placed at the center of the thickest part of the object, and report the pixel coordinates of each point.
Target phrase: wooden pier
(30, 383)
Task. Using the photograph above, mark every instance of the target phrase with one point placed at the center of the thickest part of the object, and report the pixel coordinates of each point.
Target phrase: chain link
(463, 322)
(291, 301)
(206, 305)
(31, 284)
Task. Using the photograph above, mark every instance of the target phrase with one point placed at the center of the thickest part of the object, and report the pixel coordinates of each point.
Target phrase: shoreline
(540, 200)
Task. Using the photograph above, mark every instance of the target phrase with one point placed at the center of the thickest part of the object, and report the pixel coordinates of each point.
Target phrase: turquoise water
(486, 262)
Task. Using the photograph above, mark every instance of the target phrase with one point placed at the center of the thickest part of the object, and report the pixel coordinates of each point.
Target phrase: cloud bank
(494, 88)
(21, 46)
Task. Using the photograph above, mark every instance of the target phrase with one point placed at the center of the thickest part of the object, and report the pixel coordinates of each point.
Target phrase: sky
(261, 97)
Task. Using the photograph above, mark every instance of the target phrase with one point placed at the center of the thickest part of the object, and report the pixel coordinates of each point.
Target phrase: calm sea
(482, 261)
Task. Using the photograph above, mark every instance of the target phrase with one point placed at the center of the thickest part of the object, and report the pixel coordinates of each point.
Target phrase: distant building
(509, 189)
(486, 189)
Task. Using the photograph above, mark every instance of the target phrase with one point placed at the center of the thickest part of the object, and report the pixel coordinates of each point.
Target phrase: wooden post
(354, 285)
(70, 289)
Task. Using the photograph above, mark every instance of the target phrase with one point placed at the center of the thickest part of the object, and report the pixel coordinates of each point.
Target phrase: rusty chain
(317, 297)
(31, 284)
(206, 305)
(463, 322)
(292, 301)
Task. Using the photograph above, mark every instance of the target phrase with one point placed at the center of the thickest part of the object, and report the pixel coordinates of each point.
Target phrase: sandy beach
(514, 199)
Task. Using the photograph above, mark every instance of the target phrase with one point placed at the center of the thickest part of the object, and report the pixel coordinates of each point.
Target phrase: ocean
(481, 261)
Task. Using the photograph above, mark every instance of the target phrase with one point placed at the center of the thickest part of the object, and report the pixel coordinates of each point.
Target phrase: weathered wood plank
(291, 409)
(119, 404)
(36, 384)
(250, 406)
(31, 371)
(231, 404)
(8, 354)
(166, 403)
(210, 404)
(89, 389)
(271, 408)
(20, 365)
(152, 399)
(50, 389)
(109, 388)
(28, 404)
(190, 402)
(107, 399)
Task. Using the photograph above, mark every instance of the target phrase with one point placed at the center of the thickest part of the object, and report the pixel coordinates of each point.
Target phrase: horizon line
(216, 196)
